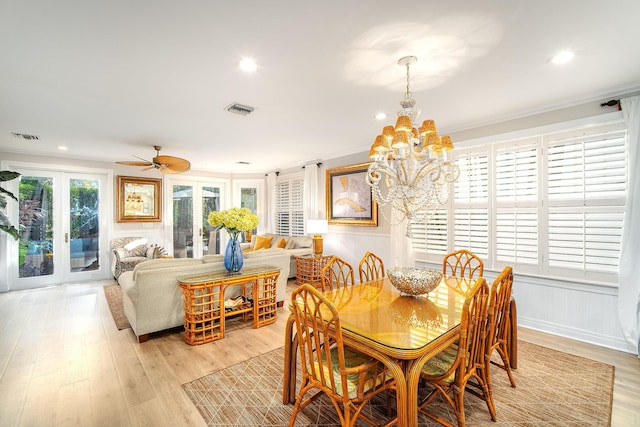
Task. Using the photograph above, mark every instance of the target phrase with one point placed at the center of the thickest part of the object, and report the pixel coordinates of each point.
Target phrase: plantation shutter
(297, 208)
(471, 204)
(283, 191)
(289, 207)
(586, 186)
(431, 237)
(516, 196)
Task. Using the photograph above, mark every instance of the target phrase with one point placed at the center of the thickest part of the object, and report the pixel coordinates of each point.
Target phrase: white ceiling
(110, 79)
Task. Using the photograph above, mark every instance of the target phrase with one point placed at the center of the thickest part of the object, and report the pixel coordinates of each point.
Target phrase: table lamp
(317, 227)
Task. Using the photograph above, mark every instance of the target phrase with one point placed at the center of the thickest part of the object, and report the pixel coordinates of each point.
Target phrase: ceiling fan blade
(148, 168)
(132, 163)
(144, 160)
(170, 164)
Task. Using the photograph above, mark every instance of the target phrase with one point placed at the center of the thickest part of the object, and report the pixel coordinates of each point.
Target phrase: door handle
(66, 237)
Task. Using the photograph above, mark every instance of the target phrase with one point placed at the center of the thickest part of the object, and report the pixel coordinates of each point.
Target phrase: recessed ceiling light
(62, 148)
(381, 116)
(248, 65)
(562, 57)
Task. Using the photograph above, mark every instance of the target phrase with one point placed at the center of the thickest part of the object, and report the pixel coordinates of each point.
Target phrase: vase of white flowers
(235, 221)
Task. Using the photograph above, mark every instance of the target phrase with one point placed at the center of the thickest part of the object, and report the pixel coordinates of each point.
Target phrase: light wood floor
(64, 363)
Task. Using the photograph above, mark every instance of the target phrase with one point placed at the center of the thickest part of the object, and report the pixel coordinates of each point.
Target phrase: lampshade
(317, 226)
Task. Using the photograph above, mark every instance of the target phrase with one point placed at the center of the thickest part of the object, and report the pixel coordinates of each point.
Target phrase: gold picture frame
(349, 200)
(138, 199)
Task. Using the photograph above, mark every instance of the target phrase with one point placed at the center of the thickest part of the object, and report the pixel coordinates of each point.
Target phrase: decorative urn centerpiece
(413, 280)
(235, 221)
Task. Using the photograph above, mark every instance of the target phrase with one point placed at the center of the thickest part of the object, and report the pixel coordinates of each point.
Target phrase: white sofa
(153, 300)
(295, 246)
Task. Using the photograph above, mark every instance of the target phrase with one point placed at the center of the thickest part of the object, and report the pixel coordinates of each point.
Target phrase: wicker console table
(204, 296)
(308, 269)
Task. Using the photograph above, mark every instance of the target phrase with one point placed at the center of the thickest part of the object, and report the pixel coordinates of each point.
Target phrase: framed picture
(349, 200)
(138, 199)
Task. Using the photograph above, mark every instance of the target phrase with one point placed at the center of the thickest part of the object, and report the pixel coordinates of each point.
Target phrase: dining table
(401, 331)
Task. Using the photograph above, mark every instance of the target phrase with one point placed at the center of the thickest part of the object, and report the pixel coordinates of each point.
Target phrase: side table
(204, 296)
(308, 268)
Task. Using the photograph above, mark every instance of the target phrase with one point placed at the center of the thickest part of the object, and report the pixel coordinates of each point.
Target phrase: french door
(191, 203)
(62, 224)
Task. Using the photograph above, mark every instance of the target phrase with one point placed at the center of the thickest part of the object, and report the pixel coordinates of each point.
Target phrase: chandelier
(410, 170)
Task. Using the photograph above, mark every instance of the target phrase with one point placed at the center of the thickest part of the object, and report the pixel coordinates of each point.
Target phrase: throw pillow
(282, 243)
(262, 242)
(290, 244)
(135, 243)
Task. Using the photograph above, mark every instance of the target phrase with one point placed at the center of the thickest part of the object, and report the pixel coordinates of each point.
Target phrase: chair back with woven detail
(449, 371)
(349, 378)
(500, 303)
(463, 264)
(370, 268)
(336, 274)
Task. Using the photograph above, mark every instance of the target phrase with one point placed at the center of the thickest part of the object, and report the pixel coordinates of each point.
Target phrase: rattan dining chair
(336, 274)
(370, 267)
(500, 303)
(350, 379)
(462, 264)
(449, 371)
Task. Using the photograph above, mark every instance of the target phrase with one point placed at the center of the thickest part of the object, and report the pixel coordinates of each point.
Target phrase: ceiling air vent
(236, 108)
(25, 136)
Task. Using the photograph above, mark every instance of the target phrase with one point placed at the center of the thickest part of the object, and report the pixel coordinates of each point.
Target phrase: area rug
(553, 389)
(113, 294)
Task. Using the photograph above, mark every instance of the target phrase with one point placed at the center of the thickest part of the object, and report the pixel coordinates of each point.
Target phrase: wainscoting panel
(581, 311)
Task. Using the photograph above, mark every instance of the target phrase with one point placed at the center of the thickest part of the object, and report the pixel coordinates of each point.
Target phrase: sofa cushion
(290, 244)
(302, 242)
(262, 242)
(165, 263)
(265, 253)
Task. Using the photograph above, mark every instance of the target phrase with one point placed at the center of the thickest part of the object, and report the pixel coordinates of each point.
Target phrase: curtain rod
(317, 164)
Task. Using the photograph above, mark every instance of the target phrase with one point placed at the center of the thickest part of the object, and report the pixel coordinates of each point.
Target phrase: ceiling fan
(165, 164)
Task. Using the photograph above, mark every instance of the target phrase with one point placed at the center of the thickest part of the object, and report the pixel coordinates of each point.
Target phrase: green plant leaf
(8, 193)
(8, 175)
(10, 230)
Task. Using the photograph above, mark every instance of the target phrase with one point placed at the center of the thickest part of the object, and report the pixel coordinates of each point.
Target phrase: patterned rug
(113, 294)
(553, 389)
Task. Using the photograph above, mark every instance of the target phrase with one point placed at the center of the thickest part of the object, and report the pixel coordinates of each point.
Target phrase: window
(289, 214)
(550, 205)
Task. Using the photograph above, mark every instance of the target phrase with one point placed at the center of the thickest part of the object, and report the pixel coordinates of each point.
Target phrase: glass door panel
(183, 221)
(84, 220)
(35, 256)
(210, 203)
(249, 199)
